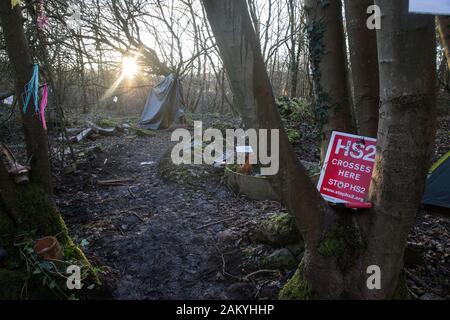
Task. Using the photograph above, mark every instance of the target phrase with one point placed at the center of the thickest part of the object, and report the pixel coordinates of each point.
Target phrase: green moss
(73, 252)
(39, 218)
(40, 214)
(342, 242)
(233, 167)
(293, 135)
(107, 123)
(143, 132)
(280, 229)
(297, 288)
(280, 259)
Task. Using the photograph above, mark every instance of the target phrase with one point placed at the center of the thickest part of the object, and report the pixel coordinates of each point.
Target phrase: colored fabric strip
(42, 19)
(43, 106)
(31, 90)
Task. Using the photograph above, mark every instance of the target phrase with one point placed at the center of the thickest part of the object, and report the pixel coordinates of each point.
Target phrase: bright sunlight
(129, 67)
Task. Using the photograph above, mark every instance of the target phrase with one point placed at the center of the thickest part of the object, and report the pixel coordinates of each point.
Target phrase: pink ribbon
(43, 105)
(42, 19)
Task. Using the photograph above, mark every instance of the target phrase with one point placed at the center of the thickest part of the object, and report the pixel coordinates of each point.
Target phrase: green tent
(437, 191)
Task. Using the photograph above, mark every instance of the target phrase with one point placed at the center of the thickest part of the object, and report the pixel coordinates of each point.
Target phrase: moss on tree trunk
(297, 287)
(39, 217)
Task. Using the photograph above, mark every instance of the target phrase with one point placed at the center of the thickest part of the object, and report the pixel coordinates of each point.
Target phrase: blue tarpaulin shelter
(164, 105)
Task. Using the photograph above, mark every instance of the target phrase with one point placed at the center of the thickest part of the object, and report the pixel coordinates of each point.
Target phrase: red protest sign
(347, 168)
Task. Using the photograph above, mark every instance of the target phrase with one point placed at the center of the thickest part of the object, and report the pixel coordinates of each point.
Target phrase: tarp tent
(437, 191)
(164, 105)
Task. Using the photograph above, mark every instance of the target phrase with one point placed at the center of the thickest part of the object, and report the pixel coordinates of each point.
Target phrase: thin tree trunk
(293, 53)
(364, 64)
(233, 31)
(329, 64)
(22, 63)
(31, 205)
(407, 64)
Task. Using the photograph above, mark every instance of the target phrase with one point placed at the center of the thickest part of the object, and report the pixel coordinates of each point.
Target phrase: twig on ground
(224, 272)
(259, 272)
(135, 214)
(214, 223)
(131, 193)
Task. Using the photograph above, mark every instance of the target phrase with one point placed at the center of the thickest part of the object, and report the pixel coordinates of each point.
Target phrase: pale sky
(438, 7)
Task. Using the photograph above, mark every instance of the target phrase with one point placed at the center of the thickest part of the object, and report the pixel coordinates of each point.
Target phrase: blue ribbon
(31, 90)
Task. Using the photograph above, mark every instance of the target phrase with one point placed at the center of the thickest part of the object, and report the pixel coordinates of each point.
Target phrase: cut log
(100, 130)
(82, 135)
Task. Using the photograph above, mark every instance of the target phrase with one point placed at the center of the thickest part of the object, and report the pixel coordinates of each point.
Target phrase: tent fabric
(437, 191)
(164, 105)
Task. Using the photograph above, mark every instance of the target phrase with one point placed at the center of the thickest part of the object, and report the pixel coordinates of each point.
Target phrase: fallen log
(100, 130)
(82, 135)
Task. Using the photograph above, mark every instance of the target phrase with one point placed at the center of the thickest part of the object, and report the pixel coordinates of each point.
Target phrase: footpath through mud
(191, 237)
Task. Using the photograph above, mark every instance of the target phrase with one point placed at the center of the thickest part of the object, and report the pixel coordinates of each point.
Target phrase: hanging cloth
(31, 91)
(43, 105)
(42, 19)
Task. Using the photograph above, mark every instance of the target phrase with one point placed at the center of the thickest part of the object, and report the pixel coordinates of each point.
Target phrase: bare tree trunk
(443, 23)
(341, 245)
(364, 64)
(31, 205)
(329, 64)
(233, 31)
(407, 64)
(294, 48)
(22, 63)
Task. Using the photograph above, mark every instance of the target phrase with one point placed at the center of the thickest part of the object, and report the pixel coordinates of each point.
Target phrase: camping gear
(48, 248)
(164, 105)
(437, 190)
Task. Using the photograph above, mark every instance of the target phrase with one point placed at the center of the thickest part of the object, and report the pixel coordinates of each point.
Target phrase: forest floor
(191, 237)
(154, 236)
(158, 235)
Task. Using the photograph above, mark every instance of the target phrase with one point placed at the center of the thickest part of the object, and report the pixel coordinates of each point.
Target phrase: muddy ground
(187, 236)
(191, 237)
(155, 236)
